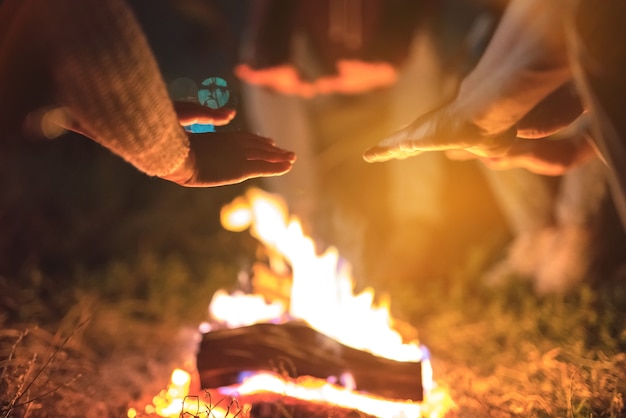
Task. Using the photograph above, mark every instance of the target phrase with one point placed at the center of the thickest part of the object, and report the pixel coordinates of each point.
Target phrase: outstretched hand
(440, 130)
(218, 159)
(550, 156)
(221, 158)
(449, 129)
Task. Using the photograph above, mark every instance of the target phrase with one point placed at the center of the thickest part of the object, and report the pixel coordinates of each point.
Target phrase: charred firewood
(294, 349)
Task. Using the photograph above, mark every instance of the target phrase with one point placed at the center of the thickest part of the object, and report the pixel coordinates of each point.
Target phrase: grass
(506, 352)
(501, 352)
(82, 335)
(105, 352)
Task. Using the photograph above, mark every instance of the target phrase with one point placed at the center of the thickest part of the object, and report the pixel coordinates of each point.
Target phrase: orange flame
(315, 390)
(318, 281)
(322, 295)
(169, 402)
(174, 401)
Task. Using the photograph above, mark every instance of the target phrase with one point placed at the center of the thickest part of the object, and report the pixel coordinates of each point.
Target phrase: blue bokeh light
(215, 93)
(200, 128)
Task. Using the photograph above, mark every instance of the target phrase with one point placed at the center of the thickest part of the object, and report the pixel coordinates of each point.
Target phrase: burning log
(295, 349)
(292, 369)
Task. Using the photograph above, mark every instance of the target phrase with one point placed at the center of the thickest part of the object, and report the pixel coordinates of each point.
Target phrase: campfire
(297, 336)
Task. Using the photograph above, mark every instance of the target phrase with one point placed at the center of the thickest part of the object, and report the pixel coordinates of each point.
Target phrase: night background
(109, 269)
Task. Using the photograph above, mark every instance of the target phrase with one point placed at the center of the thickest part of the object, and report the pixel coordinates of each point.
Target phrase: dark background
(69, 208)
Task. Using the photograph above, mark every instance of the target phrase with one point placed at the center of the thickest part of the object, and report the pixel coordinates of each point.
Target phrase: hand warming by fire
(529, 84)
(300, 336)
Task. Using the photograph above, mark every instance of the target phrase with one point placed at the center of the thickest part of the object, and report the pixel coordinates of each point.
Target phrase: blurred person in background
(493, 114)
(517, 93)
(557, 219)
(346, 71)
(328, 77)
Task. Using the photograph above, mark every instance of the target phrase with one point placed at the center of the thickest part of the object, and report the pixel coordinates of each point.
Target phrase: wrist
(185, 172)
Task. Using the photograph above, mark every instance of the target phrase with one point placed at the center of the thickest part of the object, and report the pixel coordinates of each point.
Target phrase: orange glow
(240, 310)
(316, 390)
(310, 389)
(352, 77)
(322, 288)
(322, 294)
(169, 402)
(174, 402)
(356, 77)
(283, 79)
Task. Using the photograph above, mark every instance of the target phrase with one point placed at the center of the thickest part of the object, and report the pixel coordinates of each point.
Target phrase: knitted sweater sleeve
(105, 75)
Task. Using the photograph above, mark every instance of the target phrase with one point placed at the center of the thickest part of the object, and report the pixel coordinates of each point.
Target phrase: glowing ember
(316, 390)
(169, 402)
(175, 400)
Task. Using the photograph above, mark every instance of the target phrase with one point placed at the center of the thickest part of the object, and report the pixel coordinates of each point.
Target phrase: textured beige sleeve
(106, 76)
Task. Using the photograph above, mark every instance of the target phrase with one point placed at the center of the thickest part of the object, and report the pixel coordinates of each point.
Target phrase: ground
(106, 273)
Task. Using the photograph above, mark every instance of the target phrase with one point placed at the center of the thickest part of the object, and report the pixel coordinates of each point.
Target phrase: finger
(546, 157)
(534, 165)
(266, 168)
(460, 155)
(271, 155)
(248, 170)
(242, 138)
(249, 146)
(190, 113)
(399, 145)
(501, 164)
(379, 154)
(257, 168)
(409, 142)
(553, 113)
(252, 139)
(260, 144)
(257, 148)
(431, 132)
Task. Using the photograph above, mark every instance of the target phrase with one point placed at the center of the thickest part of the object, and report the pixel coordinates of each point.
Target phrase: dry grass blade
(33, 374)
(19, 339)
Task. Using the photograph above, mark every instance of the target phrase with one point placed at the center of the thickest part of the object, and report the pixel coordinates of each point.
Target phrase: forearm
(525, 61)
(105, 75)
